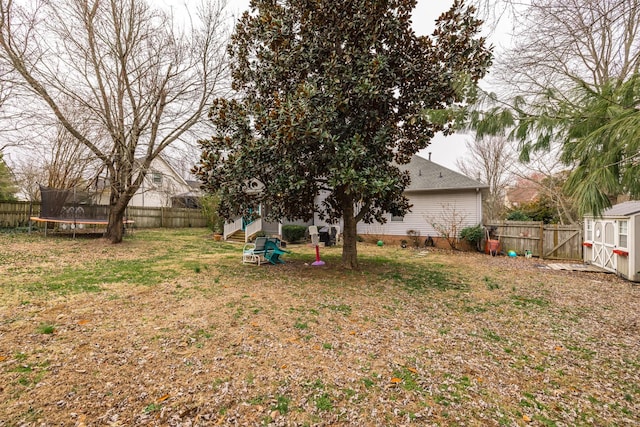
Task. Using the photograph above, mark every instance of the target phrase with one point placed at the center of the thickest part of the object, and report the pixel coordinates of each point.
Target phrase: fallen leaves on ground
(506, 344)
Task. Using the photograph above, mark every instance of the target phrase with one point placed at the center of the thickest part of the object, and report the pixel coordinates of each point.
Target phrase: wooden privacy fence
(16, 215)
(145, 217)
(551, 241)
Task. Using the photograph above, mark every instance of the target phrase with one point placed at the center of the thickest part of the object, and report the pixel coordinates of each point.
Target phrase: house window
(397, 218)
(589, 230)
(156, 178)
(623, 228)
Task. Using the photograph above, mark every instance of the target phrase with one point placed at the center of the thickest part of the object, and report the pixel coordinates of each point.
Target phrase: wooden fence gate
(551, 241)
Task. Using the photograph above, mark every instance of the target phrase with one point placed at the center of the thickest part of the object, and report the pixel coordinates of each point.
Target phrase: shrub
(414, 235)
(473, 235)
(210, 204)
(518, 215)
(293, 233)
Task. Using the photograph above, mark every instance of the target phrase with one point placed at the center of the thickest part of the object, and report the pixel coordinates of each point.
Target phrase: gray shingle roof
(429, 176)
(623, 209)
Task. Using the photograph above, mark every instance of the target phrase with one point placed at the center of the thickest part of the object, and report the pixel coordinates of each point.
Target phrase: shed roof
(623, 209)
(429, 176)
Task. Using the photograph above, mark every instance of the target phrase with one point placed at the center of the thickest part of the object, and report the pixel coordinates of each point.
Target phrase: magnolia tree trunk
(349, 236)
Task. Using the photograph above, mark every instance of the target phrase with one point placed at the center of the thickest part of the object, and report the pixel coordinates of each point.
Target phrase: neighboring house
(524, 192)
(162, 187)
(190, 199)
(439, 196)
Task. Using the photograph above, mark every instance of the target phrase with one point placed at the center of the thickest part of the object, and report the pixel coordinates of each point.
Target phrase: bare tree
(69, 162)
(10, 117)
(56, 160)
(560, 41)
(141, 80)
(556, 43)
(448, 223)
(490, 160)
(29, 174)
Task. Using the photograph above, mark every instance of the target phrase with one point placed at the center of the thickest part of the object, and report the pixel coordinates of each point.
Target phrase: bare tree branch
(490, 160)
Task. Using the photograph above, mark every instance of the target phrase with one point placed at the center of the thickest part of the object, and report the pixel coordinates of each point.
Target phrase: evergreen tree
(329, 100)
(7, 185)
(599, 133)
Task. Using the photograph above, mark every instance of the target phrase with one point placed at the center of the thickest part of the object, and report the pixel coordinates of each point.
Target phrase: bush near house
(293, 233)
(210, 204)
(473, 235)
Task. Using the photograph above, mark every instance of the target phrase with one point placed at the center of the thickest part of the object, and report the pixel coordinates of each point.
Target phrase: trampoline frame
(76, 222)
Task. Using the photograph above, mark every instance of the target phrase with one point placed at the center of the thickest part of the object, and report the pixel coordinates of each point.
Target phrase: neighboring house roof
(525, 190)
(623, 209)
(521, 195)
(429, 176)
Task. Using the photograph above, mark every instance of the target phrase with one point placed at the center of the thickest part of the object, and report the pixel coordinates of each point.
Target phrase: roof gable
(160, 164)
(429, 176)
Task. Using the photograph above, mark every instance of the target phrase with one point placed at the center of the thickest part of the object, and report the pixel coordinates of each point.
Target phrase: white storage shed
(612, 241)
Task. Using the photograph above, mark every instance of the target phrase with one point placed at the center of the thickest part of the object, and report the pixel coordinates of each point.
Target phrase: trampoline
(72, 210)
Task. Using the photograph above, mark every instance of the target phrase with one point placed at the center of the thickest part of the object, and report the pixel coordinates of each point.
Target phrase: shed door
(603, 244)
(598, 246)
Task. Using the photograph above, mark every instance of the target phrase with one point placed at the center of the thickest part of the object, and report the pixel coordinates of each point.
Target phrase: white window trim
(588, 230)
(626, 234)
(155, 175)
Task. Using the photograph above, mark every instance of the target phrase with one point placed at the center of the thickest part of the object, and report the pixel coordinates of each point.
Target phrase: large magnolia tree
(329, 100)
(139, 77)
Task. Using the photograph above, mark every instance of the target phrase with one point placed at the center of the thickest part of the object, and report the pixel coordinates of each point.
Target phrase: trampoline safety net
(70, 204)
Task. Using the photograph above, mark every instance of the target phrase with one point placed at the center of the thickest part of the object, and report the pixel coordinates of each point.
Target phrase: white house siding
(428, 208)
(152, 194)
(159, 195)
(316, 217)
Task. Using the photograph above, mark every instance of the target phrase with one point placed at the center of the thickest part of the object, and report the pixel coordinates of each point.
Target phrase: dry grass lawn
(170, 329)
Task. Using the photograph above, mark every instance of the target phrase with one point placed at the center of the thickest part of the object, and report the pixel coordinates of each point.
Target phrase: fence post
(30, 214)
(541, 241)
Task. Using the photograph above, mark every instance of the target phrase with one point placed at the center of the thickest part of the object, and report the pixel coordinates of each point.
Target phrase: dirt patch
(171, 329)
